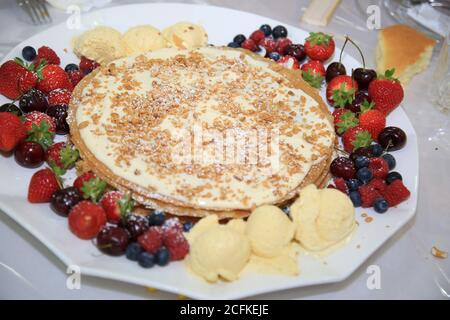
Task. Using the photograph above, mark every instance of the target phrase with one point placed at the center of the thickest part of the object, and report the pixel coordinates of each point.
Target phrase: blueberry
(364, 175)
(376, 149)
(361, 162)
(380, 205)
(394, 175)
(133, 251)
(157, 218)
(390, 160)
(71, 67)
(274, 56)
(29, 53)
(279, 32)
(146, 260)
(162, 257)
(239, 39)
(353, 184)
(233, 45)
(266, 29)
(356, 198)
(286, 209)
(187, 226)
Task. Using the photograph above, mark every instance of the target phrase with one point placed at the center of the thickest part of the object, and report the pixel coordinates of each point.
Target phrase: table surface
(408, 271)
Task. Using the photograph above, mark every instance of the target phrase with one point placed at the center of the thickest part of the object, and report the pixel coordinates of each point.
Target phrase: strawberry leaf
(41, 134)
(318, 38)
(126, 204)
(343, 96)
(366, 106)
(346, 121)
(313, 80)
(362, 139)
(69, 156)
(93, 189)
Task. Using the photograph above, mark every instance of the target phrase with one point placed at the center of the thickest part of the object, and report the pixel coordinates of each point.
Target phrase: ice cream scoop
(219, 252)
(186, 35)
(141, 39)
(269, 230)
(101, 44)
(323, 217)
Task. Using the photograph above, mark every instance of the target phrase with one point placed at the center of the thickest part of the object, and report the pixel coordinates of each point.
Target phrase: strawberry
(372, 120)
(341, 185)
(257, 36)
(282, 45)
(54, 77)
(396, 192)
(319, 46)
(87, 64)
(341, 91)
(61, 156)
(86, 219)
(59, 96)
(176, 243)
(12, 131)
(75, 76)
(313, 72)
(47, 54)
(10, 72)
(151, 240)
(368, 195)
(43, 185)
(378, 167)
(27, 80)
(386, 92)
(343, 120)
(81, 179)
(269, 44)
(40, 128)
(356, 137)
(116, 205)
(289, 62)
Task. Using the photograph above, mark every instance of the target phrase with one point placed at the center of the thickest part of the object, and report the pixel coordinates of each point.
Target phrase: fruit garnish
(386, 92)
(269, 44)
(61, 156)
(279, 32)
(362, 75)
(12, 131)
(135, 225)
(356, 137)
(151, 240)
(341, 91)
(10, 71)
(59, 114)
(319, 46)
(86, 219)
(112, 240)
(116, 205)
(313, 72)
(33, 100)
(341, 185)
(360, 98)
(59, 96)
(28, 53)
(93, 189)
(75, 76)
(54, 77)
(396, 193)
(47, 54)
(345, 121)
(372, 120)
(282, 45)
(257, 36)
(87, 64)
(12, 108)
(392, 138)
(289, 62)
(42, 186)
(176, 243)
(40, 128)
(249, 44)
(368, 195)
(64, 200)
(29, 154)
(297, 51)
(335, 69)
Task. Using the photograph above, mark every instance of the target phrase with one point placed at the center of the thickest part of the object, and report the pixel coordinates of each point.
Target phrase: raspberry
(269, 44)
(151, 240)
(75, 76)
(86, 64)
(378, 167)
(378, 184)
(48, 54)
(396, 192)
(368, 195)
(173, 223)
(59, 96)
(257, 36)
(176, 243)
(249, 44)
(282, 45)
(341, 185)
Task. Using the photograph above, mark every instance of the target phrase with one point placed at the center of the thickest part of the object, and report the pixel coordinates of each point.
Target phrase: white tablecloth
(408, 270)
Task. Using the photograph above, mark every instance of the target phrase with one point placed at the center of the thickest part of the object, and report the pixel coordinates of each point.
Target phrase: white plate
(221, 25)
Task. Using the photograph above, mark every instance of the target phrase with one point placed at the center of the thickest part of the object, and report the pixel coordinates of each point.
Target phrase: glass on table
(440, 91)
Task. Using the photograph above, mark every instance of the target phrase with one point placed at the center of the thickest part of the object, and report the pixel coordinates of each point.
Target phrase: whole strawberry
(313, 72)
(289, 62)
(319, 46)
(47, 54)
(386, 92)
(40, 128)
(356, 137)
(341, 91)
(10, 72)
(372, 120)
(12, 131)
(27, 81)
(90, 186)
(86, 219)
(116, 205)
(42, 185)
(61, 156)
(53, 77)
(344, 119)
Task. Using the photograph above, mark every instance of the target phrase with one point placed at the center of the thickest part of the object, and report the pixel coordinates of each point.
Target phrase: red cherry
(343, 167)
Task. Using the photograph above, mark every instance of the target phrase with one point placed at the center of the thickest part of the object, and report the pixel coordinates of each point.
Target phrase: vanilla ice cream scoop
(323, 217)
(141, 39)
(186, 35)
(269, 230)
(219, 252)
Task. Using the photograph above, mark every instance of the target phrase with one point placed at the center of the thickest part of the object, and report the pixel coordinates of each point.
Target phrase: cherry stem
(360, 52)
(342, 50)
